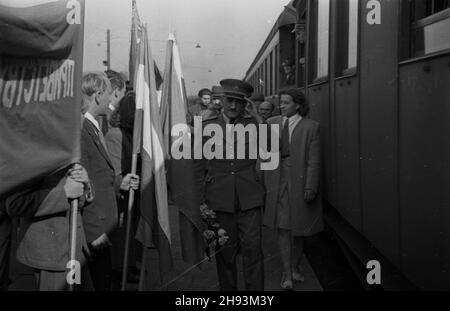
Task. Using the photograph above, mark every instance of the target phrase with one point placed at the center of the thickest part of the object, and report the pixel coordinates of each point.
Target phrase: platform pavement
(185, 277)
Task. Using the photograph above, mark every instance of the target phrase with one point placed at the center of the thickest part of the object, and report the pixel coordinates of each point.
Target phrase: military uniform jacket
(223, 181)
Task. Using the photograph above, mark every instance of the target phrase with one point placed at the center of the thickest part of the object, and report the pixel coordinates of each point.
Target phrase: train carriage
(377, 74)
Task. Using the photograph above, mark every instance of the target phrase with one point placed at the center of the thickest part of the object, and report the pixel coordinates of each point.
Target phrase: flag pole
(136, 145)
(73, 235)
(128, 226)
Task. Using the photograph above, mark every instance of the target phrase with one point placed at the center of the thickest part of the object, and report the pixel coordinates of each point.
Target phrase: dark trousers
(245, 232)
(100, 268)
(5, 249)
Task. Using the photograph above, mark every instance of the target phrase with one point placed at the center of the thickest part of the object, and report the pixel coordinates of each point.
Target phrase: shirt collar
(292, 119)
(296, 117)
(91, 118)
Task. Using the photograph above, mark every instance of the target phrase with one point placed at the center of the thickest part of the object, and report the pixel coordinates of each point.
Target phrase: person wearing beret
(214, 106)
(293, 206)
(232, 189)
(205, 101)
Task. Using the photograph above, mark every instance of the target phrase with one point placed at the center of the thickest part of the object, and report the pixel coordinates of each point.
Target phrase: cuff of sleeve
(89, 193)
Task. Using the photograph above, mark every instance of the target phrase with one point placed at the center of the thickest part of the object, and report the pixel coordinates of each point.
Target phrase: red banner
(41, 63)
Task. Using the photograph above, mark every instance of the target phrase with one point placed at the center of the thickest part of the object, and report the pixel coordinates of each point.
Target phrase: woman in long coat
(293, 206)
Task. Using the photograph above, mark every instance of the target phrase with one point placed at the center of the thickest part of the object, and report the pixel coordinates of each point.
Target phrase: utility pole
(108, 49)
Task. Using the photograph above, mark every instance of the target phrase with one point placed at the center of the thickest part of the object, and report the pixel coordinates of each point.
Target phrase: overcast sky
(229, 32)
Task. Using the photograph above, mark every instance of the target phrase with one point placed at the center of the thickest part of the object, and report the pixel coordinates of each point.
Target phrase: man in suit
(100, 218)
(233, 190)
(44, 242)
(265, 110)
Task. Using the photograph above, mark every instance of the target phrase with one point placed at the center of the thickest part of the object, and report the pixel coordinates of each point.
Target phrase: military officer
(234, 191)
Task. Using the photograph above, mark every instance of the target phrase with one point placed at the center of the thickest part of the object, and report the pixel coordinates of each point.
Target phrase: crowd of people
(243, 197)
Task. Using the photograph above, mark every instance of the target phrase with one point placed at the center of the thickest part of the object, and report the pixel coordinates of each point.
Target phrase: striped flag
(154, 228)
(135, 30)
(181, 174)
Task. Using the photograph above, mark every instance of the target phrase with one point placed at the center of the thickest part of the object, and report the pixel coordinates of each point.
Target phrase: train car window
(271, 74)
(347, 37)
(430, 27)
(320, 45)
(266, 80)
(259, 79)
(277, 65)
(352, 33)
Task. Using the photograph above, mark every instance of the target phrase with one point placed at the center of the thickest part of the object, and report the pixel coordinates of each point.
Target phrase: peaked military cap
(217, 91)
(257, 98)
(236, 88)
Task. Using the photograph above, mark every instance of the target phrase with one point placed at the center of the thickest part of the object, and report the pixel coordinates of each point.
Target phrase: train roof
(288, 16)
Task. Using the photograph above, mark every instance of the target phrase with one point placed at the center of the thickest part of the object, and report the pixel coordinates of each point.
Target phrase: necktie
(101, 138)
(285, 139)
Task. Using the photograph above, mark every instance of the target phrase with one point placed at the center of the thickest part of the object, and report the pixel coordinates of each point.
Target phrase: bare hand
(251, 108)
(79, 174)
(101, 242)
(309, 196)
(130, 181)
(73, 189)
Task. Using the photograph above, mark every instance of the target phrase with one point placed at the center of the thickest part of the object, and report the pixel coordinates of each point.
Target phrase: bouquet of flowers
(214, 234)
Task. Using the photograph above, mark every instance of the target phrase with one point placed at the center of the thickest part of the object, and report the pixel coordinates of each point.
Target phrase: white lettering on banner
(74, 15)
(374, 16)
(48, 80)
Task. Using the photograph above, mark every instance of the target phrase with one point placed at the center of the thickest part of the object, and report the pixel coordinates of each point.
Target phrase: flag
(41, 61)
(135, 30)
(181, 175)
(154, 228)
(135, 35)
